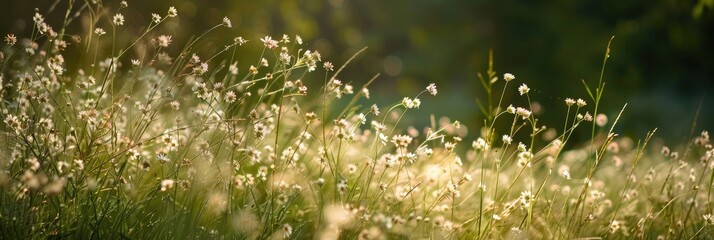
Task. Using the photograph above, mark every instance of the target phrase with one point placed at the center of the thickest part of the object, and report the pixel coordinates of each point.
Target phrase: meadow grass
(129, 139)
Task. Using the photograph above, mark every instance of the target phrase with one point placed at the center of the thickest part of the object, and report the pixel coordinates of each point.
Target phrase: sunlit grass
(143, 141)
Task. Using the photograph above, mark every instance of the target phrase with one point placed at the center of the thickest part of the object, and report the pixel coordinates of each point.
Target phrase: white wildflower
(508, 77)
(118, 19)
(523, 89)
(431, 89)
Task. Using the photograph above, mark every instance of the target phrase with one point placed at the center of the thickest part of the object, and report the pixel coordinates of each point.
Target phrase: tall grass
(141, 142)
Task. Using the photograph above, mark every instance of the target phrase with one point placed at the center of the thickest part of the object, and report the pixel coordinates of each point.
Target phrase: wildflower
(614, 226)
(348, 89)
(167, 184)
(480, 144)
(201, 69)
(240, 41)
(524, 113)
(230, 97)
(526, 199)
(175, 105)
(581, 102)
(401, 141)
(467, 177)
(507, 139)
(156, 18)
(411, 103)
(351, 168)
(588, 117)
(709, 219)
(508, 77)
(566, 174)
(569, 102)
(524, 158)
(164, 40)
(510, 109)
(135, 62)
(260, 130)
(310, 59)
(99, 31)
(38, 19)
(523, 89)
(172, 12)
(227, 22)
(10, 39)
(374, 109)
(298, 39)
(665, 151)
(287, 230)
(268, 42)
(328, 66)
(431, 89)
(118, 19)
(123, 4)
(365, 92)
(342, 187)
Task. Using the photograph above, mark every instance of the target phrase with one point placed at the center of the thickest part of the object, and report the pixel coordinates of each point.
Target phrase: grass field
(147, 137)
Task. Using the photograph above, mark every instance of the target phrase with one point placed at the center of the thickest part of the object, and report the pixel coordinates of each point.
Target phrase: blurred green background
(662, 60)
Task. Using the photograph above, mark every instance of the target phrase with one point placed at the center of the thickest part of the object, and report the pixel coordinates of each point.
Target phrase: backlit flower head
(227, 22)
(581, 102)
(172, 12)
(431, 89)
(156, 18)
(508, 77)
(523, 89)
(569, 102)
(118, 19)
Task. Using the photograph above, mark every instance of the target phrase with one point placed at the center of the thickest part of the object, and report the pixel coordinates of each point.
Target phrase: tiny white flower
(523, 89)
(227, 22)
(164, 40)
(510, 109)
(508, 77)
(507, 139)
(99, 31)
(167, 184)
(524, 113)
(569, 102)
(118, 19)
(156, 18)
(581, 102)
(480, 144)
(172, 12)
(269, 42)
(431, 89)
